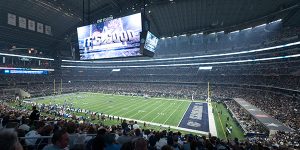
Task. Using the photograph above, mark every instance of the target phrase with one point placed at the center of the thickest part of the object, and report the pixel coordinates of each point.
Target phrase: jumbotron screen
(151, 42)
(110, 39)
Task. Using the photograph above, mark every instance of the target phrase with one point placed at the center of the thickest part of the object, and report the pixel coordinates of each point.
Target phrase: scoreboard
(4, 70)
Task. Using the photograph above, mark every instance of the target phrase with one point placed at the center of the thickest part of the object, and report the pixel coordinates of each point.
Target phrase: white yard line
(173, 113)
(130, 110)
(119, 108)
(212, 124)
(153, 104)
(184, 114)
(162, 111)
(152, 111)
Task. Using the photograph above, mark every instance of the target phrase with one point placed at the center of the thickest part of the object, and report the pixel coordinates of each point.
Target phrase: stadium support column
(83, 23)
(145, 20)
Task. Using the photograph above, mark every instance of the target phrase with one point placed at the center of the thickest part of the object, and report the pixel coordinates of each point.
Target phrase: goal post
(208, 99)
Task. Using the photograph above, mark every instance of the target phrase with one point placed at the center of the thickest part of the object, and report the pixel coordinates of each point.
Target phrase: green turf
(236, 130)
(155, 110)
(158, 110)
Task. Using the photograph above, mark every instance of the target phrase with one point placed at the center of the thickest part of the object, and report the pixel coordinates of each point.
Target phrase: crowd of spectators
(22, 62)
(245, 120)
(232, 42)
(283, 107)
(76, 134)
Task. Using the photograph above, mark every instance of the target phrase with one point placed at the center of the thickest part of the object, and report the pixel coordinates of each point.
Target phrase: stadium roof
(167, 17)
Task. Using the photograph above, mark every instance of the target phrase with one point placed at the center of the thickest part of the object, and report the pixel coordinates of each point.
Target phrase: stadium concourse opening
(149, 74)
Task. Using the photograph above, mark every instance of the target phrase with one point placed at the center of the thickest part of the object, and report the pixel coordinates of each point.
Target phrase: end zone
(199, 117)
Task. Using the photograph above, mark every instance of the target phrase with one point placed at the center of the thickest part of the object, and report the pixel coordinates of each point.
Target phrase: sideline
(212, 123)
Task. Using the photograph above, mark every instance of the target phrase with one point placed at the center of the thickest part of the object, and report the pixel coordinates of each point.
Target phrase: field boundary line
(221, 124)
(211, 120)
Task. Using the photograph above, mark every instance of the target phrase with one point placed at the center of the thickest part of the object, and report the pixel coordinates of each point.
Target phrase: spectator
(60, 140)
(9, 140)
(35, 115)
(135, 125)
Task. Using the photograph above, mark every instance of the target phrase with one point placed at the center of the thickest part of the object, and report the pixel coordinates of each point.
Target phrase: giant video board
(110, 39)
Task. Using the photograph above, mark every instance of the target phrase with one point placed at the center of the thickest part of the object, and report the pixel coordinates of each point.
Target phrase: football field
(175, 113)
(156, 110)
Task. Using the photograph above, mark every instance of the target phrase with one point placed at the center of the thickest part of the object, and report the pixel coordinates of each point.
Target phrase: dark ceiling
(167, 17)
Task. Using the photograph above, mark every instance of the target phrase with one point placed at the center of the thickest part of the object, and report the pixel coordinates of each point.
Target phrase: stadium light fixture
(194, 57)
(115, 70)
(260, 25)
(279, 20)
(188, 64)
(205, 68)
(235, 31)
(246, 29)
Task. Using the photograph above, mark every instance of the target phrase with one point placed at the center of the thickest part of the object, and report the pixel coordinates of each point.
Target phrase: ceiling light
(236, 31)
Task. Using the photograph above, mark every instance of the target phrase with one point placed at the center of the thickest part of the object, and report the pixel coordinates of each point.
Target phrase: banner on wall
(22, 22)
(31, 25)
(40, 27)
(48, 30)
(11, 19)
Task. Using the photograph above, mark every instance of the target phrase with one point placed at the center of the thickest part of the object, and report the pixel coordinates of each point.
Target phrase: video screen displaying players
(110, 39)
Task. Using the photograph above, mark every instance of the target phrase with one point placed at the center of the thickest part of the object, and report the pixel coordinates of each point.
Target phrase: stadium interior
(221, 74)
